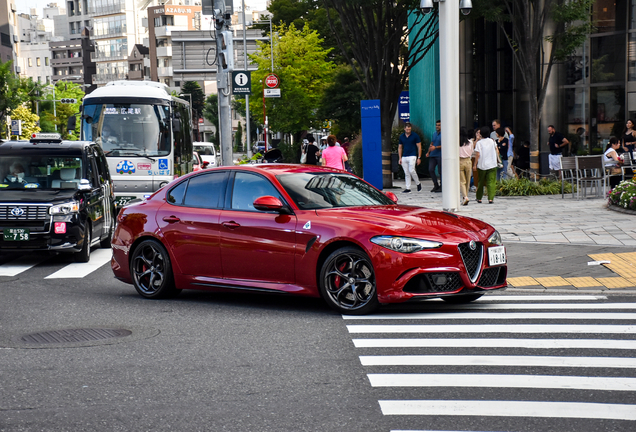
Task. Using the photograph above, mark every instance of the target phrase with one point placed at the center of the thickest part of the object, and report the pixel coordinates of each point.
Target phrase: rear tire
(84, 255)
(151, 271)
(461, 299)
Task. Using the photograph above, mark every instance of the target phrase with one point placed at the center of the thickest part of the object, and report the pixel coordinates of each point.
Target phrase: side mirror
(84, 185)
(205, 164)
(72, 122)
(391, 196)
(269, 203)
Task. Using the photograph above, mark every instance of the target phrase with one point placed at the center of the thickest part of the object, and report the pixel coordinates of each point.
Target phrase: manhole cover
(73, 336)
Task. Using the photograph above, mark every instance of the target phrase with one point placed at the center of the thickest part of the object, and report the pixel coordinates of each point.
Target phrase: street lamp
(449, 91)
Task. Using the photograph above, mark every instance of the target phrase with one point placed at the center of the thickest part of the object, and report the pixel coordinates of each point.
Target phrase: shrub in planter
(525, 187)
(624, 195)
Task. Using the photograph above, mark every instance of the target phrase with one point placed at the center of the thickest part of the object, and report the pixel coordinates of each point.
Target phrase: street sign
(272, 81)
(68, 101)
(272, 93)
(241, 82)
(16, 127)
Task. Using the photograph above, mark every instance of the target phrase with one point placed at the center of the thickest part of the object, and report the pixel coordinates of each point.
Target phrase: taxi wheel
(151, 271)
(460, 299)
(105, 242)
(84, 255)
(347, 282)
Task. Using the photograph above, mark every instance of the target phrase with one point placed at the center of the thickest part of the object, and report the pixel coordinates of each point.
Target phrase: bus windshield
(128, 129)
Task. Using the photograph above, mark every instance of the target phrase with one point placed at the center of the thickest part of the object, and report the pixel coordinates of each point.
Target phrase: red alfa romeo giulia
(305, 230)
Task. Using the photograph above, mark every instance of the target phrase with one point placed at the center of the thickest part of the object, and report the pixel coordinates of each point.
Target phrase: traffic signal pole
(225, 66)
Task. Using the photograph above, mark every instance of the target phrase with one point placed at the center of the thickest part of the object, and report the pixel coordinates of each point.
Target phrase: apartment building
(8, 32)
(33, 60)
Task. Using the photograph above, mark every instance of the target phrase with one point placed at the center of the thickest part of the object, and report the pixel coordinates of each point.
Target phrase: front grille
(472, 258)
(489, 277)
(28, 212)
(434, 283)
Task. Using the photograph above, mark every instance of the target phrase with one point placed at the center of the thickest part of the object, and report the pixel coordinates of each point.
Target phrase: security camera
(426, 6)
(465, 6)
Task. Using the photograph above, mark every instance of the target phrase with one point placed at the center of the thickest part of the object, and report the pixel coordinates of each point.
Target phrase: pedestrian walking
(629, 137)
(312, 151)
(465, 163)
(410, 156)
(556, 143)
(334, 156)
(486, 163)
(435, 157)
(511, 151)
(502, 146)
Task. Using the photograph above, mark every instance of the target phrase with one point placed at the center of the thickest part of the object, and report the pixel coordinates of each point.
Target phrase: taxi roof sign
(48, 137)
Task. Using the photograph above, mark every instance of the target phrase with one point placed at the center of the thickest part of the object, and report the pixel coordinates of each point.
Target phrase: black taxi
(55, 195)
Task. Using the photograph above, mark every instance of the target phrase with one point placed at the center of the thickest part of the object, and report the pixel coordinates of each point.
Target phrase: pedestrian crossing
(15, 267)
(552, 360)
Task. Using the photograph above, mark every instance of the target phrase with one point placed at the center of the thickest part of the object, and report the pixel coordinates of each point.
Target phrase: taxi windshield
(128, 129)
(39, 172)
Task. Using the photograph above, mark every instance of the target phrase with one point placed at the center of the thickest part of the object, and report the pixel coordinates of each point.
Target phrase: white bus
(145, 132)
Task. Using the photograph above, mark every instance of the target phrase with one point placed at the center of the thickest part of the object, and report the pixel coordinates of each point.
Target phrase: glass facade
(112, 25)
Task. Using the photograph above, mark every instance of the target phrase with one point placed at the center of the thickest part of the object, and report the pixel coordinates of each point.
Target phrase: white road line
(540, 298)
(476, 360)
(532, 306)
(22, 264)
(503, 381)
(496, 315)
(495, 328)
(99, 257)
(497, 343)
(582, 410)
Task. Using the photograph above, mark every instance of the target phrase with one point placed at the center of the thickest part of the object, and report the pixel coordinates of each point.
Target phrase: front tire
(151, 271)
(347, 282)
(84, 255)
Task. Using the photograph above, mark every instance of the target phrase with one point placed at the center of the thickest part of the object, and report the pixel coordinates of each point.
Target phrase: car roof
(278, 169)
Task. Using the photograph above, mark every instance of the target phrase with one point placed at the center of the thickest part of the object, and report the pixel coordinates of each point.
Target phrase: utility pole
(247, 97)
(225, 66)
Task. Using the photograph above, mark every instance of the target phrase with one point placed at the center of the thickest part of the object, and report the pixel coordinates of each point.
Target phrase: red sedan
(302, 230)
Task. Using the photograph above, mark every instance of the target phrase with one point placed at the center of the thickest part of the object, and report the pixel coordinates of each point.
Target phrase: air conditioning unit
(16, 39)
(13, 8)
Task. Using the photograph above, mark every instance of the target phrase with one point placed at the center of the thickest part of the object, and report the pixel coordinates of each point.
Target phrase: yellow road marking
(552, 281)
(522, 281)
(615, 282)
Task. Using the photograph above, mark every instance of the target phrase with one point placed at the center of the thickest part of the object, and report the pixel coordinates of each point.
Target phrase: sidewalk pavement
(550, 239)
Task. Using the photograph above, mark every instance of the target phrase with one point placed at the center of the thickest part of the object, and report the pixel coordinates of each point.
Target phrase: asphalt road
(229, 362)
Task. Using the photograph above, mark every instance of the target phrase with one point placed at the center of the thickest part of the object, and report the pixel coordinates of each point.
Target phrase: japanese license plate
(496, 255)
(15, 234)
(121, 201)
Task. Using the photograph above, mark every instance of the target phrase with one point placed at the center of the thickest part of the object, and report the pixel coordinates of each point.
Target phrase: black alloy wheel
(347, 282)
(151, 271)
(84, 255)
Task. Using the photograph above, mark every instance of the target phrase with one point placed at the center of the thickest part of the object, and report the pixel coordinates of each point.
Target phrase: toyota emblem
(17, 211)
(472, 245)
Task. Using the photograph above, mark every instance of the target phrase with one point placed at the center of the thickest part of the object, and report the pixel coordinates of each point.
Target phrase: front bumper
(43, 238)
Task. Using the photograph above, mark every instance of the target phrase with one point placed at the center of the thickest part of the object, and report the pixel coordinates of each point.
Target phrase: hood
(38, 196)
(407, 220)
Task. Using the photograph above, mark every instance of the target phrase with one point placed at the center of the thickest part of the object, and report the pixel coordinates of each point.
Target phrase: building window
(38, 63)
(30, 62)
(46, 61)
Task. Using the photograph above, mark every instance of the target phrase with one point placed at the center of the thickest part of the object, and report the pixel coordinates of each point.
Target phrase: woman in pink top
(334, 156)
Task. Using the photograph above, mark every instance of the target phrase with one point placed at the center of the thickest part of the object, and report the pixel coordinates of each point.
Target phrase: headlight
(405, 244)
(495, 239)
(64, 209)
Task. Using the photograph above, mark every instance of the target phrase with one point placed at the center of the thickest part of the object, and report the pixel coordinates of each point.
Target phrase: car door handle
(230, 225)
(171, 219)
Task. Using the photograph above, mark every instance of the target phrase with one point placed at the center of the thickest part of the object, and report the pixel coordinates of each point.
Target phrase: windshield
(40, 172)
(123, 129)
(204, 149)
(320, 190)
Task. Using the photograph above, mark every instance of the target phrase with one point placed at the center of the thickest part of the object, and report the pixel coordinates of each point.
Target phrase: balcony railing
(164, 71)
(165, 31)
(105, 78)
(107, 9)
(99, 57)
(164, 51)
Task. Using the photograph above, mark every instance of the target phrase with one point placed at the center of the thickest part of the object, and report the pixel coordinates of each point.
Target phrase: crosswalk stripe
(448, 315)
(497, 343)
(533, 306)
(495, 328)
(477, 360)
(583, 410)
(539, 297)
(22, 264)
(503, 381)
(99, 257)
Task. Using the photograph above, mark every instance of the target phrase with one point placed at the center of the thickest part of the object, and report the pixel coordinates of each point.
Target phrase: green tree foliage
(304, 70)
(197, 98)
(341, 103)
(211, 114)
(57, 116)
(9, 94)
(238, 105)
(375, 39)
(563, 24)
(238, 138)
(29, 121)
